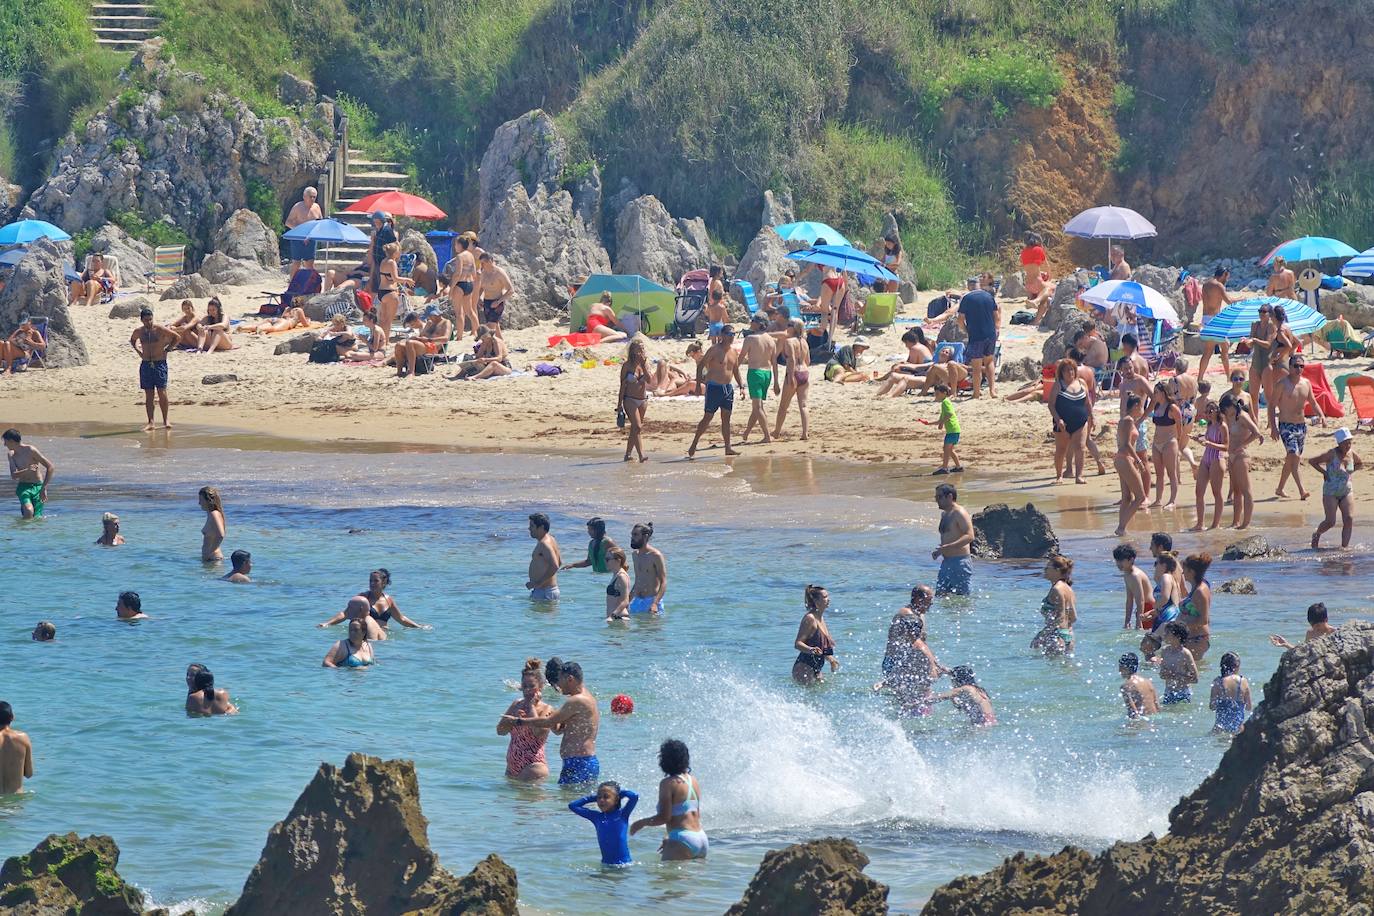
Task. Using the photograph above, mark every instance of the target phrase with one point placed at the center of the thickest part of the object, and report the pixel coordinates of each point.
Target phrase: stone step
(122, 9)
(132, 34)
(144, 22)
(376, 164)
(119, 44)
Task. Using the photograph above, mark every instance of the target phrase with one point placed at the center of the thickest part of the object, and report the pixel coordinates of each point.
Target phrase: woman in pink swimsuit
(525, 759)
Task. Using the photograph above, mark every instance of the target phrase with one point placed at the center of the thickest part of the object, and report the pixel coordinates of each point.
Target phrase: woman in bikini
(814, 645)
(214, 329)
(1168, 591)
(618, 590)
(1336, 466)
(353, 652)
(1241, 430)
(1128, 463)
(633, 398)
(1284, 346)
(212, 535)
(1195, 610)
(1211, 470)
(187, 326)
(1167, 420)
(1059, 608)
(291, 319)
(679, 806)
(525, 760)
(384, 609)
(797, 381)
(828, 303)
(1070, 412)
(601, 320)
(388, 286)
(463, 289)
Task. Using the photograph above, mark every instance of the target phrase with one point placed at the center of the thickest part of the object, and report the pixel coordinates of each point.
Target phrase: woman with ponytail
(525, 760)
(203, 699)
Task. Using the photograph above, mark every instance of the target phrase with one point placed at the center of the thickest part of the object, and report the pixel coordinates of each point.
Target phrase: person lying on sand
(291, 319)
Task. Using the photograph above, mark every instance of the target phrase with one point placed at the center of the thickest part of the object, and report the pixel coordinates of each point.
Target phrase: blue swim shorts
(544, 594)
(719, 397)
(956, 574)
(642, 604)
(577, 770)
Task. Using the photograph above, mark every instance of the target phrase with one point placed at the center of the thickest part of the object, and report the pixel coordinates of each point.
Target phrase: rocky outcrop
(38, 288)
(1013, 286)
(1254, 547)
(414, 242)
(171, 145)
(906, 270)
(766, 257)
(66, 875)
(191, 286)
(322, 306)
(817, 878)
(295, 91)
(1019, 370)
(123, 309)
(1285, 825)
(1001, 531)
(222, 270)
(301, 343)
(246, 237)
(1242, 585)
(1355, 302)
(356, 842)
(135, 258)
(649, 242)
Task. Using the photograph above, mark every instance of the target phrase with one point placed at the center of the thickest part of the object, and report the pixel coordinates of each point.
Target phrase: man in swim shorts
(760, 355)
(152, 342)
(651, 572)
(303, 251)
(956, 534)
(544, 562)
(1292, 394)
(25, 464)
(720, 366)
(496, 290)
(578, 721)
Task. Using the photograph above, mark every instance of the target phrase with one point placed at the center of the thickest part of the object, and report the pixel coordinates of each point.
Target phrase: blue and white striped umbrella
(1362, 265)
(1143, 300)
(1233, 322)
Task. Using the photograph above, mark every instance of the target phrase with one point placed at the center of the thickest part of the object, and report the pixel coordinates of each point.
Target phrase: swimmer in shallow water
(129, 606)
(242, 563)
(383, 607)
(814, 644)
(969, 698)
(1230, 697)
(618, 591)
(1317, 627)
(1177, 666)
(1137, 691)
(109, 531)
(353, 652)
(1059, 608)
(202, 699)
(44, 632)
(525, 758)
(611, 818)
(358, 608)
(679, 806)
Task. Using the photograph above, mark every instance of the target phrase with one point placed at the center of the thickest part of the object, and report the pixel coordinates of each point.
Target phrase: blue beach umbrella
(325, 230)
(843, 257)
(1233, 322)
(810, 232)
(12, 258)
(1362, 265)
(1143, 300)
(31, 230)
(1310, 248)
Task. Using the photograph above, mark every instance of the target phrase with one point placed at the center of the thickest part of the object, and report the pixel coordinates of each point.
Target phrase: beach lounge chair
(1325, 396)
(1361, 388)
(794, 308)
(746, 291)
(1342, 344)
(956, 345)
(1153, 344)
(880, 310)
(168, 262)
(304, 282)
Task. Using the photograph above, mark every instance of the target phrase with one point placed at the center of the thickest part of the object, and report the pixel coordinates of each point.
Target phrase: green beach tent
(630, 295)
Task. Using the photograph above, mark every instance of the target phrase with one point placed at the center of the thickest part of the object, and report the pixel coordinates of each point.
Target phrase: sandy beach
(574, 412)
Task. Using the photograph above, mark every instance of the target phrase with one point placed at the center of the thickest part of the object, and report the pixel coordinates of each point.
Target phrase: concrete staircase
(123, 25)
(362, 177)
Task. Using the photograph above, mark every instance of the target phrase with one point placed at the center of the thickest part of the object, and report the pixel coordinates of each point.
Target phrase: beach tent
(631, 294)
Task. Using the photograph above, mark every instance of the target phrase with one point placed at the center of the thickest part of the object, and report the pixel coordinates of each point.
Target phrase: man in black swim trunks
(151, 342)
(496, 289)
(720, 367)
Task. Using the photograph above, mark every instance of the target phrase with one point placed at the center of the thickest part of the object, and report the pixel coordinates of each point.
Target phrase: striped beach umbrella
(1362, 265)
(1233, 322)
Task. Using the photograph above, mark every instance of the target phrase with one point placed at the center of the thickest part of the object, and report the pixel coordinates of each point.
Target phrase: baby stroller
(692, 291)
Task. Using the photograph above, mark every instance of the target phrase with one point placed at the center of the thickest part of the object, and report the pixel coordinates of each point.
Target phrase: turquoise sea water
(190, 801)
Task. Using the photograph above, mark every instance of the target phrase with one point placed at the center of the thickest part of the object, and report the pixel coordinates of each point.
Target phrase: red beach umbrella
(397, 203)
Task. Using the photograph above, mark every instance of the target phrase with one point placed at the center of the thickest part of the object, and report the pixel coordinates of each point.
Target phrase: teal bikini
(693, 840)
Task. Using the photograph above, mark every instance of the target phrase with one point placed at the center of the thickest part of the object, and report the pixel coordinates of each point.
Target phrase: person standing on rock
(720, 367)
(16, 754)
(1292, 394)
(544, 562)
(578, 721)
(303, 250)
(152, 342)
(1214, 299)
(25, 464)
(956, 536)
(760, 354)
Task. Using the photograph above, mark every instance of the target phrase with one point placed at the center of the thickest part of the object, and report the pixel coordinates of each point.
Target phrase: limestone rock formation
(322, 306)
(356, 842)
(1254, 547)
(123, 309)
(301, 343)
(766, 257)
(1355, 302)
(649, 242)
(294, 90)
(1019, 370)
(1285, 825)
(778, 209)
(38, 288)
(1001, 531)
(1014, 285)
(65, 875)
(172, 145)
(191, 286)
(1242, 585)
(222, 270)
(135, 258)
(245, 236)
(817, 878)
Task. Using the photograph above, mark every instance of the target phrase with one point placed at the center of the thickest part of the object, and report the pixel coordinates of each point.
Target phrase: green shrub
(155, 233)
(1004, 78)
(81, 245)
(262, 200)
(1339, 206)
(1123, 97)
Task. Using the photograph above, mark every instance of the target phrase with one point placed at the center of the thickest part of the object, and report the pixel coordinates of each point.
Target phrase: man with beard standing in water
(956, 534)
(651, 572)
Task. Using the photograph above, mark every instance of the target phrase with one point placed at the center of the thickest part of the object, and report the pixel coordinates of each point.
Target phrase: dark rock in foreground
(1242, 585)
(356, 842)
(67, 875)
(1284, 826)
(817, 878)
(1255, 547)
(1001, 531)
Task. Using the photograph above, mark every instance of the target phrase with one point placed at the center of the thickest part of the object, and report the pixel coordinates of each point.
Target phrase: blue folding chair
(746, 291)
(956, 345)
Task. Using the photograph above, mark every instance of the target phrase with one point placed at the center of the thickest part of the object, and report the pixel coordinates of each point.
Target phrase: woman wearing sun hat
(1336, 466)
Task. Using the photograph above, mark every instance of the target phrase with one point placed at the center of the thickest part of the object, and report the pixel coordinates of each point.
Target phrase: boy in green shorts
(949, 422)
(30, 471)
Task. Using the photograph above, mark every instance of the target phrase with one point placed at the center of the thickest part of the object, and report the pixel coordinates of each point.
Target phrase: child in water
(1177, 666)
(1317, 626)
(611, 818)
(1230, 696)
(968, 697)
(1137, 691)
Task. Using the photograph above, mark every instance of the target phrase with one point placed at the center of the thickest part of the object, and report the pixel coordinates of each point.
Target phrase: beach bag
(848, 310)
(324, 351)
(543, 369)
(1023, 317)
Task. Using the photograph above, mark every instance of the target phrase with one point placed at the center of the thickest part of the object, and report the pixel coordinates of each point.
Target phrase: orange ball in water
(622, 705)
